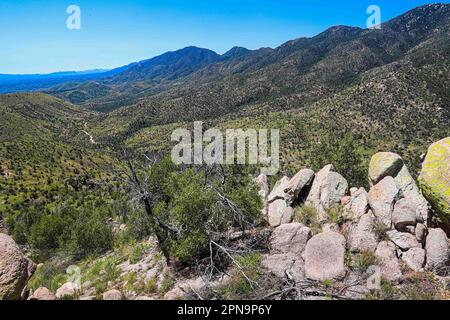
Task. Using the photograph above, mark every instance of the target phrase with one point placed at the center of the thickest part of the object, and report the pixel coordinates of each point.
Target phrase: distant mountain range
(168, 65)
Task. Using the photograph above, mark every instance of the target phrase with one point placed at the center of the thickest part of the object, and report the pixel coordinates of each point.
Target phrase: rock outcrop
(15, 269)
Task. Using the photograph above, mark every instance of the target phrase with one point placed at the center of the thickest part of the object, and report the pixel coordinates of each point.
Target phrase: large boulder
(434, 180)
(361, 237)
(324, 257)
(386, 254)
(382, 198)
(327, 191)
(291, 238)
(384, 164)
(298, 185)
(437, 248)
(387, 164)
(15, 269)
(279, 213)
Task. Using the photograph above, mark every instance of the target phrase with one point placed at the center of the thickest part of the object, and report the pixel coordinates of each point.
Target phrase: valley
(85, 179)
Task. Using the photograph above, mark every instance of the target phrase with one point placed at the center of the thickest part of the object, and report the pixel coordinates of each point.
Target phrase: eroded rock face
(382, 198)
(437, 248)
(298, 185)
(327, 191)
(279, 213)
(434, 180)
(361, 237)
(387, 259)
(291, 238)
(15, 269)
(324, 257)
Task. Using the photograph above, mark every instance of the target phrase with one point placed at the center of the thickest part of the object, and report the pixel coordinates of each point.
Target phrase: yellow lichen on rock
(434, 180)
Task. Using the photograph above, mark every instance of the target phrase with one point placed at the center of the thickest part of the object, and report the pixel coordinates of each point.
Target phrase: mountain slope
(388, 88)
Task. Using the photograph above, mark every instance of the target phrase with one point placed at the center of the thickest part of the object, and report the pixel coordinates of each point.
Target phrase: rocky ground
(325, 240)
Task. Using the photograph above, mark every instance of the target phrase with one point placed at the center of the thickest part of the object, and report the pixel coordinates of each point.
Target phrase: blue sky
(34, 37)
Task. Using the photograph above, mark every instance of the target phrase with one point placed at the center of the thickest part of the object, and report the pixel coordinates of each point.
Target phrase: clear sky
(34, 37)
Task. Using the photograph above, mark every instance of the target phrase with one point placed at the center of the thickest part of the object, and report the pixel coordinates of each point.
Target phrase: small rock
(388, 261)
(404, 214)
(414, 258)
(175, 294)
(279, 213)
(281, 264)
(437, 248)
(330, 227)
(421, 232)
(403, 240)
(42, 293)
(358, 204)
(112, 295)
(66, 290)
(324, 257)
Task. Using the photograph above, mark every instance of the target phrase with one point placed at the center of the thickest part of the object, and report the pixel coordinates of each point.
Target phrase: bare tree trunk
(158, 228)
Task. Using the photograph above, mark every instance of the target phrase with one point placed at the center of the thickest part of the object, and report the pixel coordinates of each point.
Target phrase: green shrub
(336, 214)
(90, 235)
(239, 286)
(380, 231)
(308, 215)
(362, 261)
